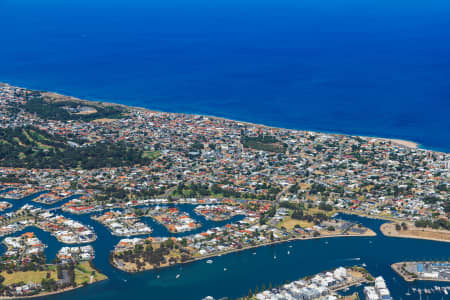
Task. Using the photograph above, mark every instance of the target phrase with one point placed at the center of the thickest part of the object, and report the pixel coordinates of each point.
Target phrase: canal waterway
(234, 274)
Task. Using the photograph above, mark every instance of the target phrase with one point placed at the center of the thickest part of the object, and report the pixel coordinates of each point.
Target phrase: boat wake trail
(350, 259)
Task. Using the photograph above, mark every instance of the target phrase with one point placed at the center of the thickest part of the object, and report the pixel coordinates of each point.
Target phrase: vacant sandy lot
(388, 229)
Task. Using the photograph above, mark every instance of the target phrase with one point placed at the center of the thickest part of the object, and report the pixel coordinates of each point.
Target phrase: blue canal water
(251, 268)
(16, 204)
(372, 67)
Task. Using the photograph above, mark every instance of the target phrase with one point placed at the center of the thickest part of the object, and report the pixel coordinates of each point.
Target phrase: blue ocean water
(372, 67)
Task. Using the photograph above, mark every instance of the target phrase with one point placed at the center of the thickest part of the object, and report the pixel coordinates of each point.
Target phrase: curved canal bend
(246, 269)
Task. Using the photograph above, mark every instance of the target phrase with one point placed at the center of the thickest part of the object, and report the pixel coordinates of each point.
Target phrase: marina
(423, 270)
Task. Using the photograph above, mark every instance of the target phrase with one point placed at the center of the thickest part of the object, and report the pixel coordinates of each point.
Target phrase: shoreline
(391, 219)
(369, 233)
(387, 230)
(399, 142)
(394, 140)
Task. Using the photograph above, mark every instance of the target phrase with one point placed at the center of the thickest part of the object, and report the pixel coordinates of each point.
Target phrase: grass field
(316, 210)
(151, 154)
(83, 273)
(29, 276)
(290, 223)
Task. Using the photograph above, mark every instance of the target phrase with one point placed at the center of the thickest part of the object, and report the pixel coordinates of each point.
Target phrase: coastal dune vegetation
(57, 107)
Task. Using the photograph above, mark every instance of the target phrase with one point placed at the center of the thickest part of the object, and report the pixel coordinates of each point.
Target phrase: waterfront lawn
(151, 154)
(290, 223)
(83, 272)
(27, 276)
(315, 210)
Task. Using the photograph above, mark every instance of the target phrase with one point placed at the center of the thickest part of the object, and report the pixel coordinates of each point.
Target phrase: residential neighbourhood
(76, 254)
(122, 223)
(174, 220)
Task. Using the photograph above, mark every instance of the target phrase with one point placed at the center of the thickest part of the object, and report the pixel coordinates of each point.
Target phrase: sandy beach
(404, 143)
(399, 142)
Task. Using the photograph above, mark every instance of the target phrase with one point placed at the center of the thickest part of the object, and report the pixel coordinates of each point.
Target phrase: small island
(174, 220)
(218, 213)
(122, 223)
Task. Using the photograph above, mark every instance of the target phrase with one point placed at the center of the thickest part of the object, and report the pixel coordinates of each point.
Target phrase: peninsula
(410, 230)
(424, 270)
